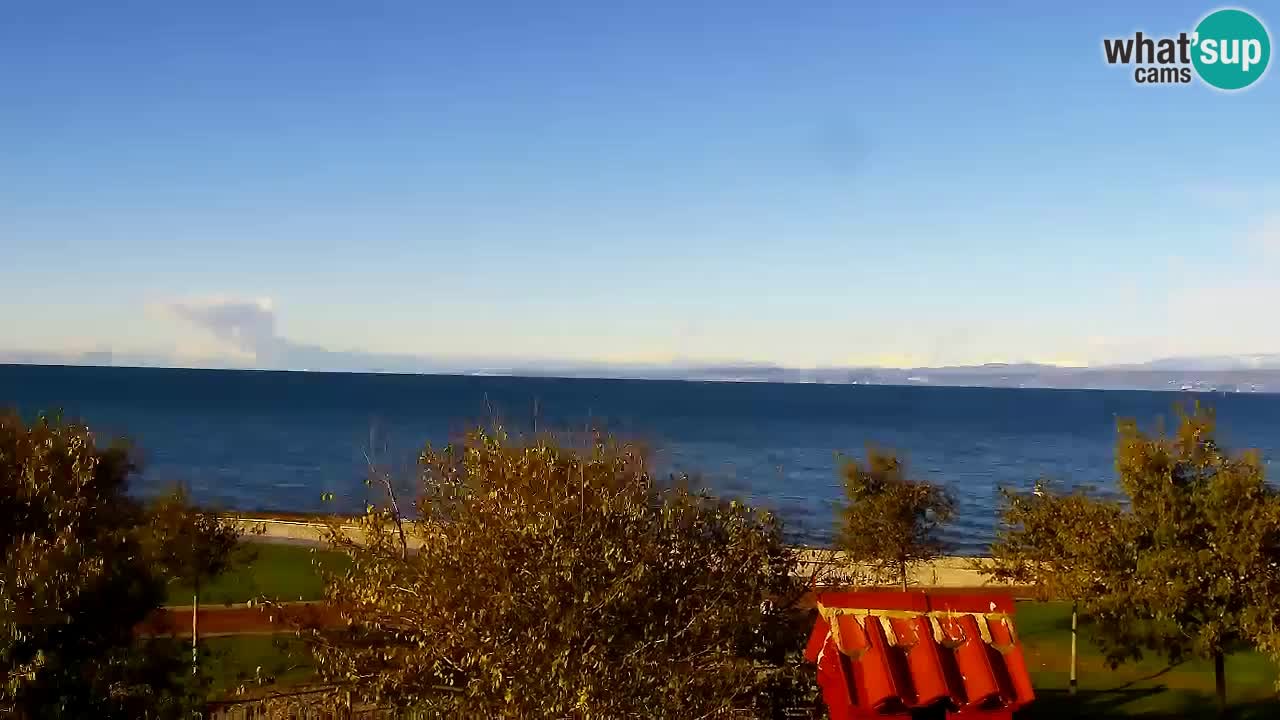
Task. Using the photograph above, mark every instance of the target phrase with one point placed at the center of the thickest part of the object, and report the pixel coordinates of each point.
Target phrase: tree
(1050, 541)
(1184, 567)
(543, 580)
(191, 548)
(76, 579)
(1204, 531)
(889, 522)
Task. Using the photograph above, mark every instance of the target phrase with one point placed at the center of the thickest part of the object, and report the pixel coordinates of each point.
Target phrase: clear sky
(812, 183)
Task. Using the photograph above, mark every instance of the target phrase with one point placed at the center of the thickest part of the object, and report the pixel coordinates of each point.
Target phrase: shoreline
(953, 571)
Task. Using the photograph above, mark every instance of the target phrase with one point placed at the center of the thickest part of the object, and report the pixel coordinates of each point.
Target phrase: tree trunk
(1220, 682)
(902, 570)
(1073, 685)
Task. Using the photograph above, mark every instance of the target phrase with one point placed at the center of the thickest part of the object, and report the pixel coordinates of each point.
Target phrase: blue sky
(799, 183)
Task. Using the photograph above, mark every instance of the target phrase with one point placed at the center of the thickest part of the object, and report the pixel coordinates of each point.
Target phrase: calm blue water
(276, 440)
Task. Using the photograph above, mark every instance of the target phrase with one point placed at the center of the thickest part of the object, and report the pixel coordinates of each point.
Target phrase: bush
(556, 582)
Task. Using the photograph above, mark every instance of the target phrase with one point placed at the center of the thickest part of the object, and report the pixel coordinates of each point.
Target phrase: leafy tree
(1050, 541)
(191, 548)
(75, 581)
(889, 522)
(1204, 532)
(84, 564)
(542, 580)
(1184, 568)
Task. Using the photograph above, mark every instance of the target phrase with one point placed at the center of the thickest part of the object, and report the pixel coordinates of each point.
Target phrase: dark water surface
(277, 440)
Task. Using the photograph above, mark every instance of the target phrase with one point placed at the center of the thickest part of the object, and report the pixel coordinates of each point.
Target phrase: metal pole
(195, 608)
(1073, 648)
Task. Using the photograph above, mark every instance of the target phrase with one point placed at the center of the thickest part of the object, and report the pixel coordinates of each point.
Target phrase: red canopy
(883, 653)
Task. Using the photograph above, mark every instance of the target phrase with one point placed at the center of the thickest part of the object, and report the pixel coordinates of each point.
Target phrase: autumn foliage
(82, 566)
(564, 580)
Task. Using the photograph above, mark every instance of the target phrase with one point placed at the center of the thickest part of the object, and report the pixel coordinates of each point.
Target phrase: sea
(265, 440)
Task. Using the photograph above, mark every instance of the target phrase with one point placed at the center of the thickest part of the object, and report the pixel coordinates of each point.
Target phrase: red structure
(917, 654)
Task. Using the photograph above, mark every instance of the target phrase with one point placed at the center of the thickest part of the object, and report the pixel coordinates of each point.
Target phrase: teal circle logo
(1232, 49)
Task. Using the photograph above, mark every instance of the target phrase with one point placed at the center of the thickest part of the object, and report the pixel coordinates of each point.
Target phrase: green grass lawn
(255, 660)
(272, 570)
(1148, 688)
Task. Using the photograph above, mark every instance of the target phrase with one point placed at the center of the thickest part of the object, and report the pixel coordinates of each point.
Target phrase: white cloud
(248, 327)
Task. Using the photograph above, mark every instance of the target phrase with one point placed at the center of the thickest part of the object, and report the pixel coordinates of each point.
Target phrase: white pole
(1073, 649)
(195, 608)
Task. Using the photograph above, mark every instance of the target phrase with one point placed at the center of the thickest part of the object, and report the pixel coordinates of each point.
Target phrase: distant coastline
(1151, 377)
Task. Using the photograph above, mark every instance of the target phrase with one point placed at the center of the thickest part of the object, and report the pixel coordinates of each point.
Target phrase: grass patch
(251, 661)
(1146, 688)
(272, 570)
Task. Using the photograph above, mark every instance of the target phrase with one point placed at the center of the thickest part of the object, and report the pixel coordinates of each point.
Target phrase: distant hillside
(1204, 378)
(1251, 373)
